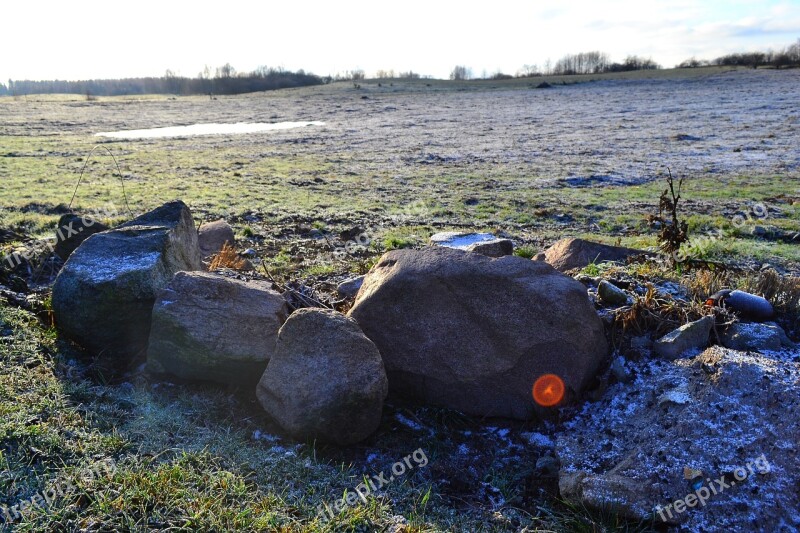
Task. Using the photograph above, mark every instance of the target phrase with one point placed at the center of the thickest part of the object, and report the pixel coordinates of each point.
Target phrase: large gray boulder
(326, 379)
(103, 297)
(461, 330)
(214, 328)
(570, 253)
(707, 444)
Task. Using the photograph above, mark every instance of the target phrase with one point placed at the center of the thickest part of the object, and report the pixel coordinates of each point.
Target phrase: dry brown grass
(654, 312)
(702, 283)
(783, 292)
(228, 257)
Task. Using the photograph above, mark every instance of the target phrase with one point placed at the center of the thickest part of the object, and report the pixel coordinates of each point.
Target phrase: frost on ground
(590, 134)
(708, 419)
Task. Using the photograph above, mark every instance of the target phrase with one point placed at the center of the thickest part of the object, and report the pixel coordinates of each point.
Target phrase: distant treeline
(597, 62)
(225, 81)
(570, 64)
(787, 57)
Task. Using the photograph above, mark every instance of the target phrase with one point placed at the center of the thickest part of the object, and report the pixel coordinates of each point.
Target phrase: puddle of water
(206, 129)
(461, 241)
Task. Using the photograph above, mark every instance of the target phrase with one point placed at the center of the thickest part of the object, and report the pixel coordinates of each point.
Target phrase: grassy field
(409, 159)
(399, 161)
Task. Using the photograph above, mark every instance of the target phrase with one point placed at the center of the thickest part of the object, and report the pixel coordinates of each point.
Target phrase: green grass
(186, 457)
(525, 251)
(268, 184)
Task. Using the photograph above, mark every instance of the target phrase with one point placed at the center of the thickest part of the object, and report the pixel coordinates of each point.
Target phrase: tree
(582, 63)
(692, 62)
(226, 71)
(206, 81)
(794, 52)
(460, 72)
(173, 82)
(781, 59)
(528, 71)
(169, 83)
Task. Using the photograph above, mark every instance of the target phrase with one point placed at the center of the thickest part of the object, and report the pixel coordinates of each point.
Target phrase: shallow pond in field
(461, 241)
(206, 129)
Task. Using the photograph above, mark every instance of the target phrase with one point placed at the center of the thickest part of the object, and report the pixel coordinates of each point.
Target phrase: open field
(400, 160)
(539, 164)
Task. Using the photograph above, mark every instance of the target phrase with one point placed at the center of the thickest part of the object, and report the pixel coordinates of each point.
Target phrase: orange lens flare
(548, 390)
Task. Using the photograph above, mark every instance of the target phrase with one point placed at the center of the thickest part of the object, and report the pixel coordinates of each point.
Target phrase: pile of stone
(466, 325)
(439, 326)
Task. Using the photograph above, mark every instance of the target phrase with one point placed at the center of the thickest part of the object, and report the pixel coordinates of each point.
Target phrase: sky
(82, 39)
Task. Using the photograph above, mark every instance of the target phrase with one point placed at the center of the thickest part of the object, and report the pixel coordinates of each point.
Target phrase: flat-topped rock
(103, 297)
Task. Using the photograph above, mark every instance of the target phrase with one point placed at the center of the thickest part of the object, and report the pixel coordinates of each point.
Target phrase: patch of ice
(286, 452)
(408, 422)
(257, 435)
(679, 395)
(673, 289)
(538, 439)
(461, 241)
(206, 129)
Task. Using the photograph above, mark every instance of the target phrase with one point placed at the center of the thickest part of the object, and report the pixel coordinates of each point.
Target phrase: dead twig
(306, 299)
